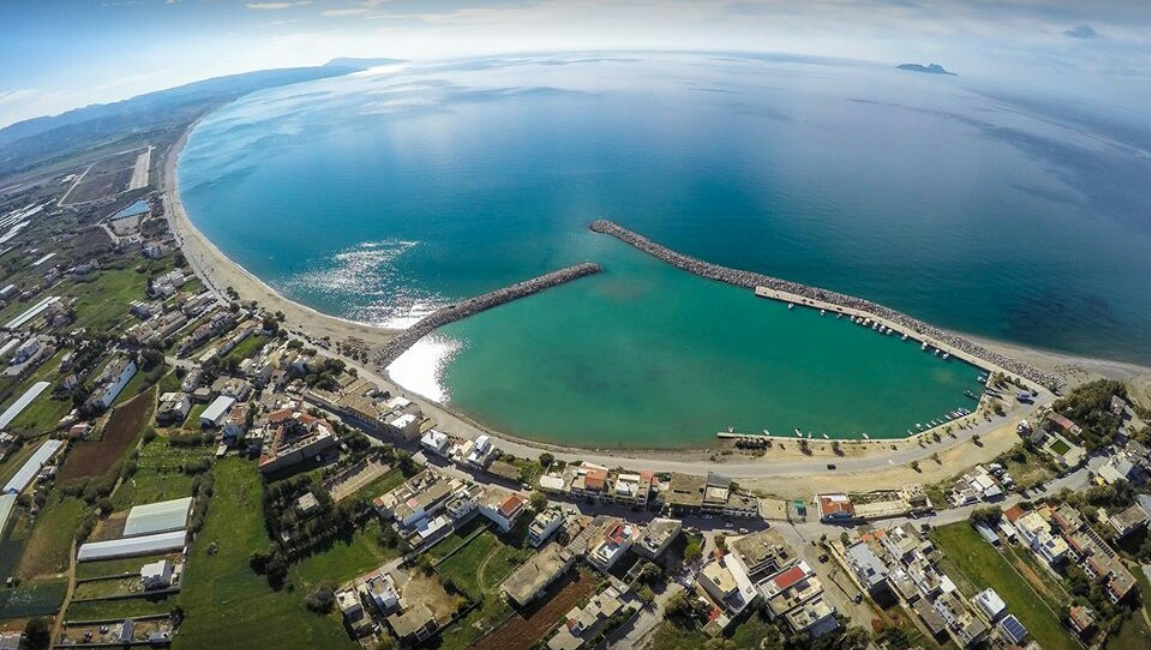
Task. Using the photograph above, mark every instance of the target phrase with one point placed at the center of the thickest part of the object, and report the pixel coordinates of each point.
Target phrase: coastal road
(458, 426)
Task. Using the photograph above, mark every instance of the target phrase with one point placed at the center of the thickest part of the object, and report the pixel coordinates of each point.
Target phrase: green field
(35, 599)
(981, 566)
(247, 348)
(158, 475)
(88, 570)
(1060, 447)
(44, 412)
(229, 606)
(49, 547)
(344, 560)
(113, 609)
(748, 634)
(140, 382)
(478, 569)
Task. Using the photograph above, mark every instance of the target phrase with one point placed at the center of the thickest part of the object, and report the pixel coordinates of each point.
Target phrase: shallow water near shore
(380, 197)
(645, 355)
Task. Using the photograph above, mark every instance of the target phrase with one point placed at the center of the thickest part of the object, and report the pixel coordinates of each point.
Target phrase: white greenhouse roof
(32, 466)
(19, 405)
(130, 546)
(159, 517)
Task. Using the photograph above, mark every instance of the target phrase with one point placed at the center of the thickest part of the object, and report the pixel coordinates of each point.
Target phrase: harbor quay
(458, 311)
(796, 293)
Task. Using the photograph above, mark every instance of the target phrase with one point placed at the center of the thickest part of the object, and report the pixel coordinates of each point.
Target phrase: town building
(657, 536)
(544, 524)
(111, 381)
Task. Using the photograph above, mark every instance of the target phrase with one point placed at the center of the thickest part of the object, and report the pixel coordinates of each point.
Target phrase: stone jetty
(460, 310)
(753, 280)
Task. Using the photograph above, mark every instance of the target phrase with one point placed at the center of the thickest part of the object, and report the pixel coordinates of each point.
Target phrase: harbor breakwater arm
(460, 310)
(751, 280)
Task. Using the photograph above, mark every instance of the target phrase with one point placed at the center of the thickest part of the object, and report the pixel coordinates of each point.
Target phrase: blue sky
(60, 54)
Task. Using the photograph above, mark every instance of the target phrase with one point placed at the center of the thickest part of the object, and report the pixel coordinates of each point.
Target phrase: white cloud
(274, 6)
(338, 13)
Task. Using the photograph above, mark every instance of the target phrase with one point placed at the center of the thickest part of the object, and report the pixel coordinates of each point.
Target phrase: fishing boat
(790, 306)
(798, 433)
(946, 356)
(767, 433)
(970, 394)
(826, 437)
(924, 346)
(904, 337)
(822, 312)
(865, 436)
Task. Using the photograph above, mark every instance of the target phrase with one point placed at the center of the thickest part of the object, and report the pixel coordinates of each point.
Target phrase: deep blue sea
(382, 195)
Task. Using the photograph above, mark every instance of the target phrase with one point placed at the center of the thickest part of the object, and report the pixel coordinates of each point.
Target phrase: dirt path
(58, 623)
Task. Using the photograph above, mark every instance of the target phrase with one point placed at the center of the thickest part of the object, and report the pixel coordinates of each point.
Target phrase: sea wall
(752, 280)
(460, 310)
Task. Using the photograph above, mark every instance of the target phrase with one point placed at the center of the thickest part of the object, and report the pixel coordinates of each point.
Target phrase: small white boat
(822, 312)
(826, 437)
(946, 356)
(790, 306)
(865, 436)
(924, 346)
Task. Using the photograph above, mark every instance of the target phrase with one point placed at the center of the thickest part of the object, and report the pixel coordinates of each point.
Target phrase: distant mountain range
(934, 68)
(45, 139)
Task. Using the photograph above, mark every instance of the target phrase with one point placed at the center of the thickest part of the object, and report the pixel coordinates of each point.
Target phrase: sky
(56, 55)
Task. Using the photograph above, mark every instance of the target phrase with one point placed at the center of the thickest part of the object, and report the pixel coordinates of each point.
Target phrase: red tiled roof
(276, 417)
(789, 577)
(1013, 513)
(510, 505)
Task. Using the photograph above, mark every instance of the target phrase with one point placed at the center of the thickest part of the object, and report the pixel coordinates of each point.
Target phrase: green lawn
(140, 382)
(480, 567)
(391, 480)
(982, 566)
(158, 475)
(85, 570)
(48, 549)
(247, 348)
(104, 298)
(37, 599)
(1060, 447)
(111, 609)
(455, 538)
(344, 560)
(227, 605)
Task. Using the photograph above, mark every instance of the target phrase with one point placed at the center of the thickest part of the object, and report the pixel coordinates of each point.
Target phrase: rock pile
(458, 311)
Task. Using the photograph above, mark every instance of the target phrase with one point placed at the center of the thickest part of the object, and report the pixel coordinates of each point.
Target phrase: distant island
(934, 68)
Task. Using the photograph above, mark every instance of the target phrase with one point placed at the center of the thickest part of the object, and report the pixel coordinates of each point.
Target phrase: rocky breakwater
(752, 280)
(460, 310)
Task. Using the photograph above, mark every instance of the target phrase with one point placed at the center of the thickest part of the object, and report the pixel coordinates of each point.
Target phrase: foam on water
(421, 368)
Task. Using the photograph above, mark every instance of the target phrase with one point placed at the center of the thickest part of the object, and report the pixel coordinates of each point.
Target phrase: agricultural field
(37, 599)
(48, 548)
(477, 569)
(344, 559)
(105, 177)
(43, 413)
(160, 474)
(94, 610)
(525, 628)
(978, 565)
(221, 593)
(93, 458)
(106, 568)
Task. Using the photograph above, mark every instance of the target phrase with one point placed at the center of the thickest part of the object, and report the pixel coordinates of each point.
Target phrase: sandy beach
(219, 272)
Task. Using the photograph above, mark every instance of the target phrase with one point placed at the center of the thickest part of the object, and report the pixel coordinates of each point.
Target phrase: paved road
(458, 426)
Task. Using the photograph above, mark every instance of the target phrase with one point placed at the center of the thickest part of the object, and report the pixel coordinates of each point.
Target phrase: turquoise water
(138, 207)
(646, 355)
(379, 197)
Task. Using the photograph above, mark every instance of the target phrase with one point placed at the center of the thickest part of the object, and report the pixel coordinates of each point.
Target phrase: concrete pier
(458, 311)
(800, 294)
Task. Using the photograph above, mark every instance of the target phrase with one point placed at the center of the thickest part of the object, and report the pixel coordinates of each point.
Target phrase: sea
(384, 195)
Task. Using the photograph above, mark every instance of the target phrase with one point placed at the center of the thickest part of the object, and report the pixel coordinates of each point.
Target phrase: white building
(435, 442)
(217, 411)
(157, 575)
(112, 380)
(991, 604)
(546, 522)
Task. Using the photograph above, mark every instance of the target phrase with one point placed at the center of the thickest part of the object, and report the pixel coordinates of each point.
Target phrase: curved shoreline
(218, 271)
